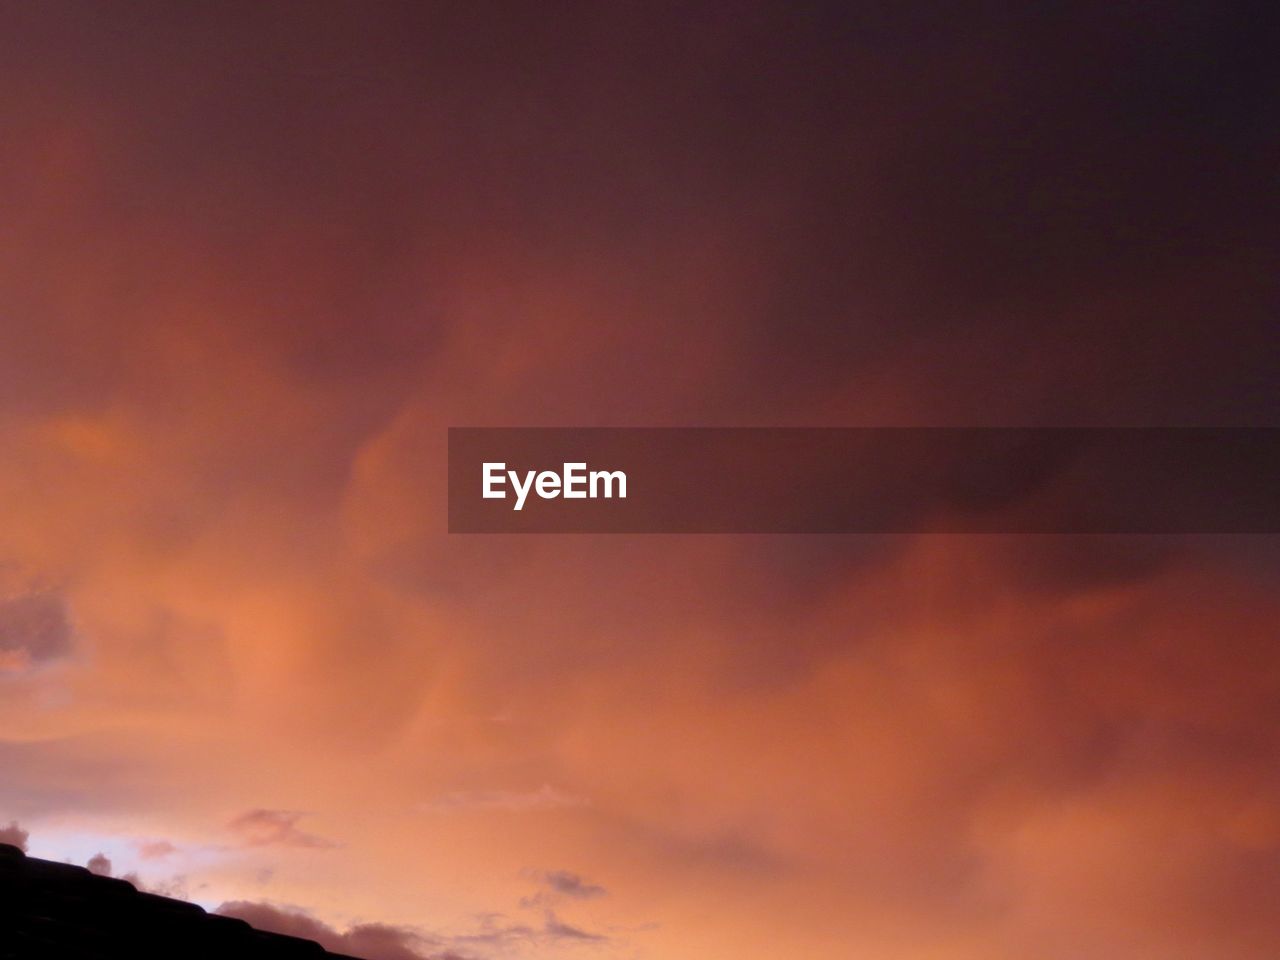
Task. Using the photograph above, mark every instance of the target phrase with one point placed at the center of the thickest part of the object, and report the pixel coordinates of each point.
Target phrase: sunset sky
(255, 259)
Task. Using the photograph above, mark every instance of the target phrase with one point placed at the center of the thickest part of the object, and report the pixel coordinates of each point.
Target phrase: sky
(255, 259)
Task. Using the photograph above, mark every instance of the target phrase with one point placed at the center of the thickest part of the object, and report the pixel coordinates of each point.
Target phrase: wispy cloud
(155, 849)
(261, 828)
(572, 885)
(371, 940)
(35, 627)
(545, 797)
(560, 885)
(494, 936)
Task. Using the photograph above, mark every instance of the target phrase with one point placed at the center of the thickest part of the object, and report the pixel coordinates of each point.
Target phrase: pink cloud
(260, 828)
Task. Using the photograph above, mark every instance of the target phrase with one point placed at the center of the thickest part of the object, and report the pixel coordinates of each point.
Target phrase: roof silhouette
(56, 911)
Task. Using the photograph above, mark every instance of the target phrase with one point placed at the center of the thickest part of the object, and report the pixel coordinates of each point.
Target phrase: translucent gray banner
(864, 480)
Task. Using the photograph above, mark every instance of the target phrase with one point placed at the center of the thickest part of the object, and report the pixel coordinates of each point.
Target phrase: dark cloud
(572, 885)
(34, 628)
(556, 929)
(14, 835)
(369, 941)
(926, 195)
(100, 864)
(259, 828)
(1066, 212)
(556, 886)
(375, 941)
(499, 933)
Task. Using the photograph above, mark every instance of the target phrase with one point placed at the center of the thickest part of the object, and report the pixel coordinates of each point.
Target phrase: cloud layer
(254, 265)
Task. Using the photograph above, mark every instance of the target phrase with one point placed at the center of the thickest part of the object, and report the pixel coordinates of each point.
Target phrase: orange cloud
(259, 828)
(253, 267)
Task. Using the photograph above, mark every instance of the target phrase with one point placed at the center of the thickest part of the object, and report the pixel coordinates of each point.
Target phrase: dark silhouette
(56, 911)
